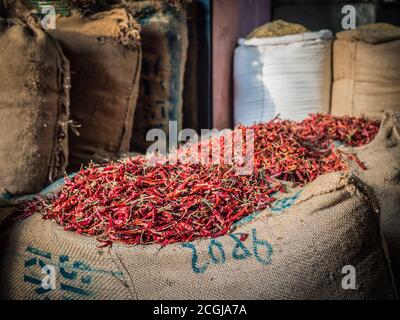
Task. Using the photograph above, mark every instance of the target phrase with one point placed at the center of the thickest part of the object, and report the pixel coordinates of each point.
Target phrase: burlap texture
(105, 57)
(382, 159)
(165, 44)
(83, 271)
(366, 76)
(295, 250)
(298, 254)
(373, 33)
(34, 108)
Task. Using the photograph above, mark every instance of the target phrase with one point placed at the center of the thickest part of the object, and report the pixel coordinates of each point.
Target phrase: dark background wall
(197, 110)
(389, 11)
(231, 19)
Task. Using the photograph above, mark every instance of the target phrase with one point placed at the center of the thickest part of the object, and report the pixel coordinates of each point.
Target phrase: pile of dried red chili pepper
(134, 202)
(301, 152)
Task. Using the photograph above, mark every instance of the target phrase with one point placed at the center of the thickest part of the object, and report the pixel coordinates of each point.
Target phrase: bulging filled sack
(286, 75)
(165, 44)
(366, 68)
(382, 160)
(105, 55)
(34, 108)
(297, 249)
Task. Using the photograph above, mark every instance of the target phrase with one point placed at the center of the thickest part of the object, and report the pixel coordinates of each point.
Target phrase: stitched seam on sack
(384, 251)
(60, 79)
(122, 268)
(30, 161)
(129, 102)
(63, 101)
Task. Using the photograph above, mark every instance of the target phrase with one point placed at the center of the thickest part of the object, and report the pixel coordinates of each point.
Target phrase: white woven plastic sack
(288, 76)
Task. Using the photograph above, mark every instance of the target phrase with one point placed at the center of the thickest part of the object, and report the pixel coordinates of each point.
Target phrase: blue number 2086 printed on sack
(217, 252)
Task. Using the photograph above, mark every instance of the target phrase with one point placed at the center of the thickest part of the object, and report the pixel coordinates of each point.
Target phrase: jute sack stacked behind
(34, 108)
(295, 250)
(105, 56)
(165, 43)
(366, 71)
(382, 159)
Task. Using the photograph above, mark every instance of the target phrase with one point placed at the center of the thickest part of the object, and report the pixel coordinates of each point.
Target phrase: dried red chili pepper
(134, 202)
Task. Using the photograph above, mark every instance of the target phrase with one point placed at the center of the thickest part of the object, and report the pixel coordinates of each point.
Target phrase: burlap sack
(165, 43)
(366, 68)
(105, 57)
(382, 159)
(295, 250)
(34, 108)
